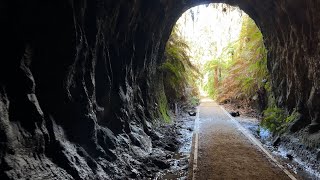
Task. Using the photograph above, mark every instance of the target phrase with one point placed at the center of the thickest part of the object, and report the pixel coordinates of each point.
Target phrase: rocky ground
(176, 154)
(171, 147)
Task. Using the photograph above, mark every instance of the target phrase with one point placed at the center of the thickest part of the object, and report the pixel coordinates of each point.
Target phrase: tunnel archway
(79, 79)
(284, 26)
(282, 33)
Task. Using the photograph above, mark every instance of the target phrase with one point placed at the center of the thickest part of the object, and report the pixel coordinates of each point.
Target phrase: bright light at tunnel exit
(208, 29)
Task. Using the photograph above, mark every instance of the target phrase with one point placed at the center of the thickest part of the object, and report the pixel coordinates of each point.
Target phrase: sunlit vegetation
(276, 119)
(237, 74)
(179, 74)
(240, 75)
(241, 70)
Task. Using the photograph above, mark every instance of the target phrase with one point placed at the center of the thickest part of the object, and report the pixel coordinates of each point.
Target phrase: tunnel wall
(79, 79)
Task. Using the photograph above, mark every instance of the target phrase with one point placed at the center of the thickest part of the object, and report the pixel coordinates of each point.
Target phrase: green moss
(274, 118)
(164, 113)
(293, 116)
(277, 120)
(163, 107)
(267, 86)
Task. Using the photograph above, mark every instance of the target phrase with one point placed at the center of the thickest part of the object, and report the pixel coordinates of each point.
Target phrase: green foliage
(209, 86)
(293, 116)
(277, 120)
(214, 69)
(163, 108)
(274, 119)
(179, 73)
(242, 66)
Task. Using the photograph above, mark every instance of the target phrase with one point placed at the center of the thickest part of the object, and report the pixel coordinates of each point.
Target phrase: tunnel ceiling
(79, 79)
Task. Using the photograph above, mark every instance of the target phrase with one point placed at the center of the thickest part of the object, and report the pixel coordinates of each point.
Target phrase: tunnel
(79, 80)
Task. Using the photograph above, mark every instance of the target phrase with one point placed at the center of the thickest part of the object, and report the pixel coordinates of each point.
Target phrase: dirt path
(225, 153)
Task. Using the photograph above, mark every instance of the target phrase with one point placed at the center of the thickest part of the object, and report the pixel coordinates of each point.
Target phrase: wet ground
(302, 169)
(179, 160)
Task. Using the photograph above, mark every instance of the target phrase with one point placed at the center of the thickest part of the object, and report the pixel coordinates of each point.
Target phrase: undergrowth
(277, 120)
(179, 74)
(241, 70)
(163, 108)
(241, 74)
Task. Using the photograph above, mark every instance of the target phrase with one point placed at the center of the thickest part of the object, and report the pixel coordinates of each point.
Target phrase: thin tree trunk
(216, 77)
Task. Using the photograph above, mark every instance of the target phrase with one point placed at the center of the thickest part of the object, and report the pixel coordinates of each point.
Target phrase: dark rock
(297, 124)
(154, 136)
(161, 163)
(276, 141)
(235, 114)
(171, 147)
(168, 156)
(289, 156)
(134, 173)
(318, 155)
(106, 138)
(192, 113)
(135, 139)
(313, 128)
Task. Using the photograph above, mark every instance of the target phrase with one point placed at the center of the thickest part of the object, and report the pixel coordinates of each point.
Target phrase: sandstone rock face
(79, 79)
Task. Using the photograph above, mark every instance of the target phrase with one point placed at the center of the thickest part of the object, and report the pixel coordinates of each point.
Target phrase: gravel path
(225, 153)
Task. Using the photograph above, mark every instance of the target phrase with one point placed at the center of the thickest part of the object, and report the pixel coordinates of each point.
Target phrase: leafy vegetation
(163, 107)
(214, 70)
(277, 120)
(240, 73)
(274, 119)
(241, 70)
(180, 75)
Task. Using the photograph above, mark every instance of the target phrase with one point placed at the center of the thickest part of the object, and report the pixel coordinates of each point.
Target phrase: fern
(179, 72)
(245, 64)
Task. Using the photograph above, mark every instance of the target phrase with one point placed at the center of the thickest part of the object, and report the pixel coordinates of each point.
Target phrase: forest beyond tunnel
(80, 89)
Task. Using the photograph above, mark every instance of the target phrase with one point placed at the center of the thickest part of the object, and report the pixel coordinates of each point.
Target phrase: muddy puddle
(301, 168)
(179, 160)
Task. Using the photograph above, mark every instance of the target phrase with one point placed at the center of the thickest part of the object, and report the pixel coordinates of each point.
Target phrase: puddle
(180, 160)
(297, 165)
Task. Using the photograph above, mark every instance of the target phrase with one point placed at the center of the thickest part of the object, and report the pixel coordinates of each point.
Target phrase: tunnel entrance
(214, 51)
(82, 83)
(217, 50)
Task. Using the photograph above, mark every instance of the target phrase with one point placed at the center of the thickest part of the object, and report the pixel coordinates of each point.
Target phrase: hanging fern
(179, 72)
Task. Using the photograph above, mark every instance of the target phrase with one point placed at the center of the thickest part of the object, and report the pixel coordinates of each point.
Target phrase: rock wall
(79, 80)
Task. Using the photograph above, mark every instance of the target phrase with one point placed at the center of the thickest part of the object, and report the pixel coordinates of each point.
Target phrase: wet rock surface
(179, 158)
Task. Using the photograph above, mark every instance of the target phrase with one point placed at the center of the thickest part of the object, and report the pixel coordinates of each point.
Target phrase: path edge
(256, 142)
(193, 163)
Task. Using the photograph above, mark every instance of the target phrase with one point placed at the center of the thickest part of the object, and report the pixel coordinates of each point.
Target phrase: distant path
(224, 152)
